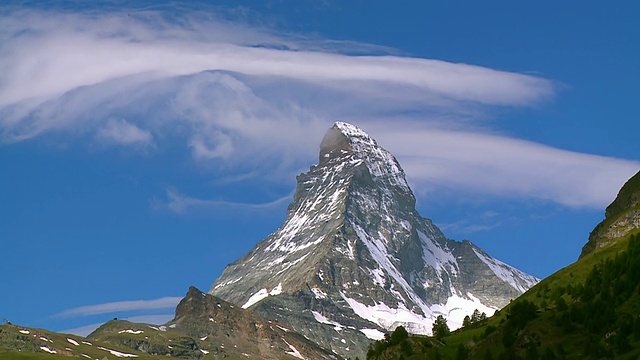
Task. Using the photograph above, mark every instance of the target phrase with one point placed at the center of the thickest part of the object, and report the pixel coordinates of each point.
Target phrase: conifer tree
(440, 328)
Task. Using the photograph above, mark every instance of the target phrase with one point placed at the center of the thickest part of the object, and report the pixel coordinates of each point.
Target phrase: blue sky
(146, 146)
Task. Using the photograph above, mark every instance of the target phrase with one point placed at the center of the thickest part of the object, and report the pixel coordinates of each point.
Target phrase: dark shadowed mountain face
(621, 217)
(354, 258)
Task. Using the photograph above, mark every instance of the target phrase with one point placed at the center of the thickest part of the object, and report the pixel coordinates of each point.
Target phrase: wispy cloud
(65, 51)
(145, 319)
(60, 66)
(179, 203)
(82, 330)
(503, 166)
(122, 132)
(120, 306)
(483, 222)
(258, 102)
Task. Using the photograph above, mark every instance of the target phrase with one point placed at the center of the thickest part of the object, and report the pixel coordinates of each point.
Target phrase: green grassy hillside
(18, 342)
(22, 343)
(588, 310)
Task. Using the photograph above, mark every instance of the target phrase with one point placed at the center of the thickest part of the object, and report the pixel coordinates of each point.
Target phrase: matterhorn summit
(354, 259)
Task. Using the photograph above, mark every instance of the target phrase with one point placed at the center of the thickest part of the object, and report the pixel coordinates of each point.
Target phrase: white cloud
(145, 319)
(63, 52)
(47, 54)
(479, 222)
(255, 102)
(113, 307)
(82, 330)
(122, 132)
(492, 164)
(180, 204)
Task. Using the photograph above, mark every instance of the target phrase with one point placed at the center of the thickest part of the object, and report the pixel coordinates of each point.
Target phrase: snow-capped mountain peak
(355, 253)
(348, 140)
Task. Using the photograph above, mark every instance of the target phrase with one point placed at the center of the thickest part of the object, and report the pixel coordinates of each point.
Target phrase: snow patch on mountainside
(319, 294)
(373, 334)
(455, 309)
(324, 320)
(437, 257)
(458, 307)
(261, 294)
(294, 352)
(378, 251)
(118, 353)
(50, 351)
(389, 318)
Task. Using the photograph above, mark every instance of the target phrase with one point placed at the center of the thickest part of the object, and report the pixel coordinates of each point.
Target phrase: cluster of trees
(440, 329)
(597, 307)
(476, 319)
(397, 338)
(593, 310)
(520, 314)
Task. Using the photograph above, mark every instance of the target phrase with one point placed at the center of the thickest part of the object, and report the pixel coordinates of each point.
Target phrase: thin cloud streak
(145, 319)
(107, 308)
(505, 167)
(122, 132)
(181, 204)
(482, 222)
(82, 330)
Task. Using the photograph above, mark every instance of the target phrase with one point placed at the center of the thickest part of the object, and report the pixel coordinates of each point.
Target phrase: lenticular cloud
(48, 55)
(254, 99)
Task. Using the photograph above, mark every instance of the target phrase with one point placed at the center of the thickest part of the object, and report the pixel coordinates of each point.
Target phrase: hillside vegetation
(589, 310)
(19, 342)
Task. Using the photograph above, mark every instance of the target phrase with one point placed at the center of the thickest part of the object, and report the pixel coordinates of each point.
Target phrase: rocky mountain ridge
(355, 258)
(204, 327)
(621, 217)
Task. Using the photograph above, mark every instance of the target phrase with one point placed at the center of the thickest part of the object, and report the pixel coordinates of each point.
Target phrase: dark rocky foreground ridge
(204, 327)
(354, 259)
(208, 327)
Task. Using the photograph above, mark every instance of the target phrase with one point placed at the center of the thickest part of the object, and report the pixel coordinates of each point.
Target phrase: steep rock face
(355, 258)
(621, 217)
(231, 329)
(208, 327)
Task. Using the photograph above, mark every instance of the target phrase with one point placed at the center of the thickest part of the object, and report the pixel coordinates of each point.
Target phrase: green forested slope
(589, 310)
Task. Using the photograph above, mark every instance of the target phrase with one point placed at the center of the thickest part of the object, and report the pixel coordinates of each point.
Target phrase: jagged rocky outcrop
(621, 217)
(354, 258)
(218, 322)
(207, 325)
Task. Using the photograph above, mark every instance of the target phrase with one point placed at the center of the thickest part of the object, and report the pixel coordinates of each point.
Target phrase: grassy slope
(15, 345)
(545, 331)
